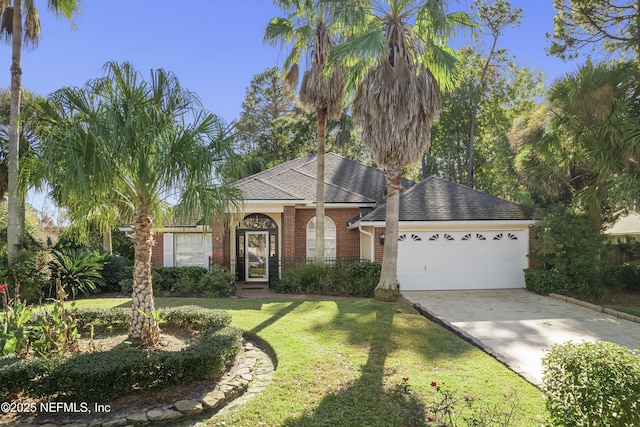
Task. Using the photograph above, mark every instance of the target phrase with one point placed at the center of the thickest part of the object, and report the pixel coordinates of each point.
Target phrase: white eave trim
(173, 229)
(468, 224)
(343, 205)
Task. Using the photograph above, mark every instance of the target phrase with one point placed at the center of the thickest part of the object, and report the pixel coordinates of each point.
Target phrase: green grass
(635, 311)
(339, 361)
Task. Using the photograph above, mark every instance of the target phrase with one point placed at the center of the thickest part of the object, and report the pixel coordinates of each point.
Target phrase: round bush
(592, 384)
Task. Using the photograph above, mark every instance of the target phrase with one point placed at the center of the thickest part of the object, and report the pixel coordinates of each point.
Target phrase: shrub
(190, 316)
(627, 275)
(176, 279)
(219, 283)
(591, 384)
(79, 270)
(569, 243)
(544, 282)
(358, 279)
(115, 269)
(104, 375)
(29, 275)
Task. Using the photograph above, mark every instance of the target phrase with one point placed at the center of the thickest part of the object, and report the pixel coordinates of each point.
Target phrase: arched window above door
(257, 222)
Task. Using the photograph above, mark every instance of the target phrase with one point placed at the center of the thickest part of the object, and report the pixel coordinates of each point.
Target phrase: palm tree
(399, 97)
(12, 27)
(133, 144)
(308, 27)
(28, 152)
(583, 142)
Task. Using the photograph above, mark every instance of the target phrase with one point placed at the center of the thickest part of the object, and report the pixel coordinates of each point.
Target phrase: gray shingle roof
(435, 199)
(346, 181)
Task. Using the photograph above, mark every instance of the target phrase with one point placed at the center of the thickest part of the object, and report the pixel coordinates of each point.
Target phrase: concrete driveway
(517, 326)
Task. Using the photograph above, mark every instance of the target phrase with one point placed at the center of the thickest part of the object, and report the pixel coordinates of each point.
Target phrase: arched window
(329, 238)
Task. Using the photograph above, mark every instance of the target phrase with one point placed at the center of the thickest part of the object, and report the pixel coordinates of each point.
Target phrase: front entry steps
(252, 289)
(252, 285)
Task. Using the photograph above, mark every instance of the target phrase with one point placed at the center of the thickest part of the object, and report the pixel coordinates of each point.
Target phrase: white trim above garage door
(452, 260)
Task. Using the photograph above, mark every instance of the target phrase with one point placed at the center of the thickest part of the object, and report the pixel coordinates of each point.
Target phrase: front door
(257, 256)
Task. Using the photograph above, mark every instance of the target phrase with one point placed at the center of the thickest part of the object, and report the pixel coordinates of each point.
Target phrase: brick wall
(532, 237)
(157, 251)
(377, 247)
(288, 245)
(217, 242)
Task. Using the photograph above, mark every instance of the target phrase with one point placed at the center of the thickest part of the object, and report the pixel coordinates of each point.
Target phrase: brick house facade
(439, 220)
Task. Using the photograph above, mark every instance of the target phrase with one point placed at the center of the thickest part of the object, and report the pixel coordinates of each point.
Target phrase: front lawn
(342, 362)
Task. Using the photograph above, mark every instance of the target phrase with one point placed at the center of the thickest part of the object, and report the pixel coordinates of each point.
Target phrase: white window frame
(197, 254)
(330, 238)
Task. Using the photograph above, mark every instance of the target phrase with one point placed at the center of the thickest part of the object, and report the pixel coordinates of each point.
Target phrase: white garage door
(461, 260)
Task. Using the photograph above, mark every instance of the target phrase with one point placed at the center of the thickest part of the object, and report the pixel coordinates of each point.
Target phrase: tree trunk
(475, 101)
(322, 123)
(472, 137)
(13, 225)
(143, 325)
(107, 243)
(388, 288)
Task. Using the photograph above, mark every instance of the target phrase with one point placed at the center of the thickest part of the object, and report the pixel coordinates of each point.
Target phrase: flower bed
(104, 375)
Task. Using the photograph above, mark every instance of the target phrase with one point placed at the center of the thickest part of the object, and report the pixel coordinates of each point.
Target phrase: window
(329, 238)
(191, 249)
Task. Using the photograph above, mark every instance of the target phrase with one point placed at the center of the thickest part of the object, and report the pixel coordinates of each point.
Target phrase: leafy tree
(267, 99)
(494, 18)
(14, 29)
(399, 98)
(581, 146)
(133, 144)
(509, 91)
(594, 25)
(272, 129)
(568, 243)
(310, 27)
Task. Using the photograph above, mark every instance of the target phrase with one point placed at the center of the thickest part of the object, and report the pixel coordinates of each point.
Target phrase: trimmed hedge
(592, 384)
(185, 316)
(544, 282)
(105, 375)
(186, 281)
(358, 279)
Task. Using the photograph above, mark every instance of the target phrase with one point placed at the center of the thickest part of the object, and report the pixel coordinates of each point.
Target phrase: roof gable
(346, 181)
(435, 199)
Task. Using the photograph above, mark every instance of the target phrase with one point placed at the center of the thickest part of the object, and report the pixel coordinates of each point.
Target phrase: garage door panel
(461, 260)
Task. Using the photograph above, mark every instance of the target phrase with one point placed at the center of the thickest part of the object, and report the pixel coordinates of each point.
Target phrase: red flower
(3, 287)
(405, 379)
(433, 384)
(430, 419)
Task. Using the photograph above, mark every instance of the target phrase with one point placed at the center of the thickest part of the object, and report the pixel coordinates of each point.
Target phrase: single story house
(450, 236)
(627, 225)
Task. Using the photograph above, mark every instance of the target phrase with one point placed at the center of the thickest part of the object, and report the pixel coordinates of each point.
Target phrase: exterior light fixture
(382, 236)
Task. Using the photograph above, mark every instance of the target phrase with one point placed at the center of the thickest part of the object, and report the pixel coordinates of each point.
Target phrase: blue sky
(214, 47)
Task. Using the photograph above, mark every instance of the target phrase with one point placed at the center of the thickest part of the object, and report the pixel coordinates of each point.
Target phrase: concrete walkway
(517, 326)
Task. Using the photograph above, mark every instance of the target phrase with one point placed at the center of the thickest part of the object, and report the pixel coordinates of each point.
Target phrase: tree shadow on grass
(366, 401)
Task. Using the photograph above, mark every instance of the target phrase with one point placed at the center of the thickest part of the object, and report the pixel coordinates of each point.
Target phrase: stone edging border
(250, 375)
(594, 307)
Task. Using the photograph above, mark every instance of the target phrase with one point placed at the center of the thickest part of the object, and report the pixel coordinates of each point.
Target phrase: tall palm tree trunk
(107, 241)
(387, 289)
(143, 324)
(322, 124)
(472, 139)
(13, 225)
